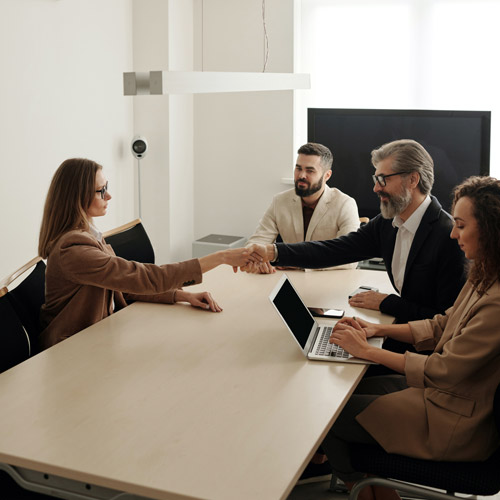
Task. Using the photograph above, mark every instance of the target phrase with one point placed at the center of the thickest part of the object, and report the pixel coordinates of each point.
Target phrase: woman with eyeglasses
(85, 280)
(441, 406)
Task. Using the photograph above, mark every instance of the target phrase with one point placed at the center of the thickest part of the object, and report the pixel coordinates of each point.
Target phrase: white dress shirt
(95, 232)
(404, 239)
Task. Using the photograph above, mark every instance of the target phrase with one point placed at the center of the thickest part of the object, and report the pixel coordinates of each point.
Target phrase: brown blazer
(85, 282)
(447, 412)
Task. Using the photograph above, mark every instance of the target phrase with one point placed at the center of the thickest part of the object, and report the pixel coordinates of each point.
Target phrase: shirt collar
(312, 207)
(95, 232)
(412, 223)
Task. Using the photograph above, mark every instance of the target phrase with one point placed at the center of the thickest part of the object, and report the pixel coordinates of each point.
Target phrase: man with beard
(311, 211)
(412, 235)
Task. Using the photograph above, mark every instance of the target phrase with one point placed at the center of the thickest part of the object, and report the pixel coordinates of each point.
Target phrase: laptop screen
(293, 311)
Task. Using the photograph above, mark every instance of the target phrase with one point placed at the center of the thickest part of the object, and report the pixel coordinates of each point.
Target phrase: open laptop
(312, 338)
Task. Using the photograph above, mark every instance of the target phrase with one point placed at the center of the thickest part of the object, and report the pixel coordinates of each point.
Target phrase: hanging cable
(202, 33)
(266, 39)
(139, 186)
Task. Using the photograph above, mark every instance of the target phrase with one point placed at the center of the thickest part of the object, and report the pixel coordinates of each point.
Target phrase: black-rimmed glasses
(103, 191)
(380, 178)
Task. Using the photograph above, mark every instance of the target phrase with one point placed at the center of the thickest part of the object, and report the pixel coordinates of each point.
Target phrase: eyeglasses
(103, 191)
(380, 178)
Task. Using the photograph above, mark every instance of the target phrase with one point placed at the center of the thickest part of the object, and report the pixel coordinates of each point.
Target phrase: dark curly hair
(484, 192)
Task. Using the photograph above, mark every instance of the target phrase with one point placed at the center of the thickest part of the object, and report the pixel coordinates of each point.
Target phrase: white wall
(215, 160)
(163, 40)
(61, 96)
(151, 119)
(243, 142)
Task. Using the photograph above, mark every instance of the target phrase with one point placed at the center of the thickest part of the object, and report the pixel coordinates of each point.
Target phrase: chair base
(410, 489)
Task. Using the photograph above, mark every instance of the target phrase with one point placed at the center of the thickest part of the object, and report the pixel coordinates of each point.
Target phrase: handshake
(252, 259)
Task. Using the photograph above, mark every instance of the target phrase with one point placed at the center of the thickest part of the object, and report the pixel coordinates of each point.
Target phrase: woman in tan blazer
(442, 407)
(85, 280)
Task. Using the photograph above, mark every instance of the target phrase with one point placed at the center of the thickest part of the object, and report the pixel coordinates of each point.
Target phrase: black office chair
(14, 341)
(18, 313)
(20, 310)
(131, 242)
(471, 478)
(27, 298)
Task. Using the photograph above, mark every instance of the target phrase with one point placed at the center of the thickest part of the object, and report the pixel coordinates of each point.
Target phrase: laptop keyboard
(324, 348)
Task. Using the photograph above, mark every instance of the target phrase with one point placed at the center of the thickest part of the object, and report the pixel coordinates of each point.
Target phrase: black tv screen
(458, 141)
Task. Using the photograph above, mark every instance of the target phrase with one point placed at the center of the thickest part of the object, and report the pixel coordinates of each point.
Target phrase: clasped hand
(242, 257)
(261, 255)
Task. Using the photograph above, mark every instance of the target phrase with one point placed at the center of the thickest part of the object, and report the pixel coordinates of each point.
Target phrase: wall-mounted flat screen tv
(458, 141)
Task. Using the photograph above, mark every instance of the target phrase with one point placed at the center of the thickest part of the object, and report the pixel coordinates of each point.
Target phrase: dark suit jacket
(434, 272)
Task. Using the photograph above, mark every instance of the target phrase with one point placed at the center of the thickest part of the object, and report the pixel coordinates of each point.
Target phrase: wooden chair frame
(122, 228)
(6, 282)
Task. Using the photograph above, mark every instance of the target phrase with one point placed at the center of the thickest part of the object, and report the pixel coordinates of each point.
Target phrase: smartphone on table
(322, 312)
(363, 288)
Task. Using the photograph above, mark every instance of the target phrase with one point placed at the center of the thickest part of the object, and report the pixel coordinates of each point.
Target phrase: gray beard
(395, 205)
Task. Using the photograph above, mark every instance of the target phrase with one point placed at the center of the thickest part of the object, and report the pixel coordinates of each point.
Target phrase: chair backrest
(27, 298)
(14, 341)
(131, 242)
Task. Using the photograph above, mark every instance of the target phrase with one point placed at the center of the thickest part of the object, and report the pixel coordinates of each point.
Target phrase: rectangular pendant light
(199, 82)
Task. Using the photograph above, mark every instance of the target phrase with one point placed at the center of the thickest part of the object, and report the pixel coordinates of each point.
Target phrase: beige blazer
(85, 282)
(447, 413)
(335, 214)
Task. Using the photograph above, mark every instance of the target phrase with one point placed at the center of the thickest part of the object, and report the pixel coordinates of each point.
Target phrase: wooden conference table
(172, 402)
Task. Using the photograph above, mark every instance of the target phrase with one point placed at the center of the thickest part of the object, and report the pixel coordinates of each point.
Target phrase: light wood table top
(173, 402)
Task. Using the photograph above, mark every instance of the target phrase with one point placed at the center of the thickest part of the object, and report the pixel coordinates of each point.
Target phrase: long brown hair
(70, 195)
(484, 193)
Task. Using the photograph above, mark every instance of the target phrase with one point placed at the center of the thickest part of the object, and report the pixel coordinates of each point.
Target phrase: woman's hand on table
(203, 300)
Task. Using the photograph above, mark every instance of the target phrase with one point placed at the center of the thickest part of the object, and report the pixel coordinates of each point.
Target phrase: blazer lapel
(460, 315)
(319, 212)
(297, 218)
(430, 216)
(388, 251)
